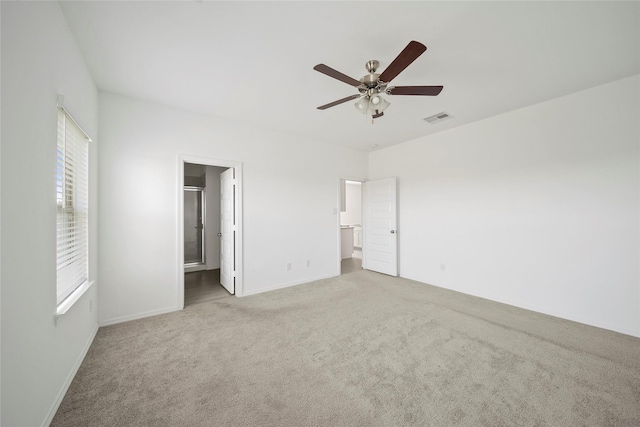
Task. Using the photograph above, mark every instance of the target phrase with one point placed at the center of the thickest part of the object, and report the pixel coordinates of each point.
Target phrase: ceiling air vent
(437, 117)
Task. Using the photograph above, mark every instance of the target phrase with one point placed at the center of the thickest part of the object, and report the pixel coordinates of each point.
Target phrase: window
(72, 196)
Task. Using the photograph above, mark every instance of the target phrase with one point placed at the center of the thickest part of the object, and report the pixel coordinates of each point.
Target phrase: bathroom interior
(202, 233)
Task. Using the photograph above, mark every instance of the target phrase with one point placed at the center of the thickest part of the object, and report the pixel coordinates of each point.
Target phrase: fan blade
(324, 69)
(414, 90)
(338, 102)
(410, 53)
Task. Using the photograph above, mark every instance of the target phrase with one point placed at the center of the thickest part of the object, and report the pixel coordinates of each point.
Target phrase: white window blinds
(72, 194)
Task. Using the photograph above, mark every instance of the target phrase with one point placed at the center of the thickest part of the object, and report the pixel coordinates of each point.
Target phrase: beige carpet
(361, 349)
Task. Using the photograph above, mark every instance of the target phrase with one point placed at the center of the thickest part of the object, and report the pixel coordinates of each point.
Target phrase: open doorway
(210, 241)
(350, 226)
(202, 234)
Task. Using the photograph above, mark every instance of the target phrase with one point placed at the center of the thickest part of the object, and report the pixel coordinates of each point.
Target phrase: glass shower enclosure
(194, 226)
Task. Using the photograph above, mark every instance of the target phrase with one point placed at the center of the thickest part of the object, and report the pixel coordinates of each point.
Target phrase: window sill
(65, 305)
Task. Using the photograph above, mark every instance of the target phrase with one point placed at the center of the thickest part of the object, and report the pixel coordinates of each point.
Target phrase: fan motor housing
(370, 82)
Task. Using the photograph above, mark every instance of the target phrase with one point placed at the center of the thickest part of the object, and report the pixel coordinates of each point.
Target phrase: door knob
(219, 234)
(393, 231)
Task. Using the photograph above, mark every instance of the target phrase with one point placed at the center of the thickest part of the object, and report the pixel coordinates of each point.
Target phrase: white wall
(39, 60)
(290, 195)
(538, 208)
(353, 213)
(212, 221)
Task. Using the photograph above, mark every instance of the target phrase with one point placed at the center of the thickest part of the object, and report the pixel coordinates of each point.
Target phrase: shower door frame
(199, 265)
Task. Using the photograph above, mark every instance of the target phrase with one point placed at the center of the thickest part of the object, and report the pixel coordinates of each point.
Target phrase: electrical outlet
(308, 263)
(288, 266)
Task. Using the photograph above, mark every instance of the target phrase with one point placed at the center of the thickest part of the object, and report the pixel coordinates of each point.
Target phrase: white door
(227, 230)
(380, 246)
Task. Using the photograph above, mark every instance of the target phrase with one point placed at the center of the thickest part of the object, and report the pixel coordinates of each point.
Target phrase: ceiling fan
(370, 86)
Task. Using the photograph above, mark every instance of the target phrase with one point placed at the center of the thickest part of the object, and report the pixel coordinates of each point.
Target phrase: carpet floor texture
(361, 349)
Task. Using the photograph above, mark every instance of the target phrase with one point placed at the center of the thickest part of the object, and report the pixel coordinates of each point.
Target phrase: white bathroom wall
(40, 60)
(212, 221)
(537, 208)
(353, 213)
(290, 202)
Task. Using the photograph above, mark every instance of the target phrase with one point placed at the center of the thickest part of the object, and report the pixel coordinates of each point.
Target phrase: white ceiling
(252, 62)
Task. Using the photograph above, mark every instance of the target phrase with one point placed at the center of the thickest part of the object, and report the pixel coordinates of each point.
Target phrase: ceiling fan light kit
(370, 86)
(372, 105)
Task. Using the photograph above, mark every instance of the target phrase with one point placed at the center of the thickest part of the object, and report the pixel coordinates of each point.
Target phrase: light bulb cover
(362, 104)
(377, 105)
(372, 105)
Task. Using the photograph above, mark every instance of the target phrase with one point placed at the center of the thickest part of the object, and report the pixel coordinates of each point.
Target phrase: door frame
(238, 250)
(338, 231)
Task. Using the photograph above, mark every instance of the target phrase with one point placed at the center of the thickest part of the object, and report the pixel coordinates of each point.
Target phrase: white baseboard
(191, 268)
(70, 377)
(287, 285)
(137, 316)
